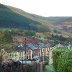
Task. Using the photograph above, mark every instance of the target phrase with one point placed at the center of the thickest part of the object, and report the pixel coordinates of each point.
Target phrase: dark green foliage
(29, 33)
(62, 60)
(57, 37)
(5, 39)
(68, 39)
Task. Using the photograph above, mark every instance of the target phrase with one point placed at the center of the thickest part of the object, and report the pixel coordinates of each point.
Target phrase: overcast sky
(43, 7)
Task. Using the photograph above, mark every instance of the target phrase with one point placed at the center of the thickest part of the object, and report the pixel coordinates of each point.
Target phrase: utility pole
(25, 55)
(25, 51)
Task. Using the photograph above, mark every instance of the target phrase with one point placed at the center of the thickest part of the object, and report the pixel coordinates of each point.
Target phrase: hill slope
(61, 24)
(12, 18)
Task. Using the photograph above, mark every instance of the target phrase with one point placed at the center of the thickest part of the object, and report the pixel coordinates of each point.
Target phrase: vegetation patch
(62, 60)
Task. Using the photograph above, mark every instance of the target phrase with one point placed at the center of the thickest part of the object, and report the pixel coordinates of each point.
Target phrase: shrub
(62, 60)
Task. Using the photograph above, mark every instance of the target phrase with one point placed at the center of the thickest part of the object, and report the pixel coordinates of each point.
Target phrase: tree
(29, 33)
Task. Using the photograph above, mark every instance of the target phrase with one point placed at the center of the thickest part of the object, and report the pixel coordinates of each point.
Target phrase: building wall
(44, 51)
(41, 52)
(20, 55)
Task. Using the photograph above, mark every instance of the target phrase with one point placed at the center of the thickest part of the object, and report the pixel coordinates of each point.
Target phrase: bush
(62, 60)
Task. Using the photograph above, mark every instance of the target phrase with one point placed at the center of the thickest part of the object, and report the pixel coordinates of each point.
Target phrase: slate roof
(32, 46)
(22, 48)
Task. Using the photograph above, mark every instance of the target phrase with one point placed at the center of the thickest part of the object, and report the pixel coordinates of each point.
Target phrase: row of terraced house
(32, 49)
(28, 53)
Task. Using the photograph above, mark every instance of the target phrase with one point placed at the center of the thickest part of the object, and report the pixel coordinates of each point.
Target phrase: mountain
(64, 24)
(55, 21)
(11, 17)
(58, 25)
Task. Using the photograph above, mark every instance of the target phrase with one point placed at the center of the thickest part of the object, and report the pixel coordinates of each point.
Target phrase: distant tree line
(59, 38)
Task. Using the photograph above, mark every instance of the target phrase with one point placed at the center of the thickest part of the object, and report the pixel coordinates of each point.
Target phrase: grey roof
(39, 45)
(22, 48)
(32, 46)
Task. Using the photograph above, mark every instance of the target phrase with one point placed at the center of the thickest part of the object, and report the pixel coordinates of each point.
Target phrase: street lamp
(24, 46)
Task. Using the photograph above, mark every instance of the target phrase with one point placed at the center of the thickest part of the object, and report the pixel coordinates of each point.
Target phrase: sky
(43, 7)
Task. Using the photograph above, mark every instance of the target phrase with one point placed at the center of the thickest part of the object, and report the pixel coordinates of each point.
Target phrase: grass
(49, 68)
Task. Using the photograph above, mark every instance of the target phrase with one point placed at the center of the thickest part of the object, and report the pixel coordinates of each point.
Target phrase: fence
(18, 67)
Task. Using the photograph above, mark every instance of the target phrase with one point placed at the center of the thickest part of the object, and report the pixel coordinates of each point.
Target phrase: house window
(39, 54)
(27, 57)
(43, 50)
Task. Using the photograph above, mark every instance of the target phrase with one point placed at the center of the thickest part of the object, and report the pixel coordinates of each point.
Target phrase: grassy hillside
(59, 19)
(10, 18)
(60, 24)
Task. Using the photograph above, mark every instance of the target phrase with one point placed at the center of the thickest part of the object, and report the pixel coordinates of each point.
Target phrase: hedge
(62, 60)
